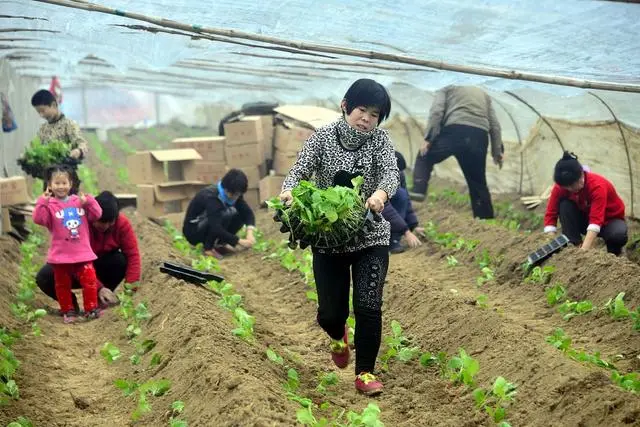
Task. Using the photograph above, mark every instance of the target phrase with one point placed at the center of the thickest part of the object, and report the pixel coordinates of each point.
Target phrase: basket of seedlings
(38, 157)
(323, 218)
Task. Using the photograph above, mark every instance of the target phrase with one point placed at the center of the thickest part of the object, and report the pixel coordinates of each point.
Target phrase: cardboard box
(247, 130)
(148, 167)
(252, 198)
(210, 148)
(282, 162)
(270, 186)
(254, 173)
(268, 130)
(290, 139)
(244, 155)
(170, 197)
(6, 220)
(13, 191)
(210, 172)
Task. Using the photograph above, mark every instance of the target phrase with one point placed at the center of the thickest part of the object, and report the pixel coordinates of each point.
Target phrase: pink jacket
(68, 223)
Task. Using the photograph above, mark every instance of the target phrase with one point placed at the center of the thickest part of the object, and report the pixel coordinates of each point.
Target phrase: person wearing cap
(217, 213)
(586, 204)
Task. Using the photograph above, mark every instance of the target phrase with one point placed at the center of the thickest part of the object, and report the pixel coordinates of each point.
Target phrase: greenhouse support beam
(441, 65)
(539, 115)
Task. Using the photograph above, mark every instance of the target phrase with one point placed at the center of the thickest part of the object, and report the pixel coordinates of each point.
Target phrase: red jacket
(598, 199)
(119, 236)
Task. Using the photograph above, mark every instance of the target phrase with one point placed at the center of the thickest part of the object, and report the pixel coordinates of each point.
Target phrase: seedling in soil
(559, 340)
(149, 388)
(629, 382)
(575, 308)
(274, 357)
(482, 301)
(555, 294)
(244, 324)
(428, 359)
(326, 380)
(540, 276)
(8, 366)
(495, 401)
(451, 261)
(370, 417)
(155, 360)
(462, 369)
(177, 408)
(20, 422)
(487, 276)
(615, 307)
(110, 352)
(484, 260)
(398, 347)
(206, 264)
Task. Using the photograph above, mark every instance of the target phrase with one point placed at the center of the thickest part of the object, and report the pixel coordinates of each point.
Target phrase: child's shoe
(70, 316)
(367, 384)
(340, 351)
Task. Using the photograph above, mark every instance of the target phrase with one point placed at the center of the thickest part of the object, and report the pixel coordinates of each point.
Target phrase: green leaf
(274, 357)
(305, 417)
(155, 359)
(177, 407)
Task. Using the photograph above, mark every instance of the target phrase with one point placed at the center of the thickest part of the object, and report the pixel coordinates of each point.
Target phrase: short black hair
(402, 163)
(110, 206)
(235, 181)
(568, 170)
(368, 93)
(43, 97)
(71, 173)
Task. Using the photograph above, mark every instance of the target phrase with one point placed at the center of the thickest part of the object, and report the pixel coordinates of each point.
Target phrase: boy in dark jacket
(399, 212)
(217, 213)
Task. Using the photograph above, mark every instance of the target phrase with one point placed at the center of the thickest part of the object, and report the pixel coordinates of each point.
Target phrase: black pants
(332, 272)
(110, 270)
(574, 224)
(203, 232)
(469, 146)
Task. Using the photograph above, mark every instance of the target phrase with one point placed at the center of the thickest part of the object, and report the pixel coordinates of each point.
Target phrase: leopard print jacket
(339, 147)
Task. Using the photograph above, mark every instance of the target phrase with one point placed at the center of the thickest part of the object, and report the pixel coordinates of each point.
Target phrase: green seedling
(20, 422)
(462, 369)
(206, 264)
(495, 401)
(327, 380)
(274, 357)
(559, 340)
(123, 175)
(89, 179)
(629, 382)
(428, 359)
(555, 294)
(110, 352)
(370, 417)
(230, 302)
(155, 359)
(482, 301)
(540, 276)
(244, 324)
(570, 309)
(484, 260)
(615, 307)
(635, 316)
(142, 391)
(398, 347)
(177, 408)
(451, 261)
(487, 276)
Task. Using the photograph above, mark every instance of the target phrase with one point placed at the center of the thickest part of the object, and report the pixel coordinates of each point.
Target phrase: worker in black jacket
(217, 213)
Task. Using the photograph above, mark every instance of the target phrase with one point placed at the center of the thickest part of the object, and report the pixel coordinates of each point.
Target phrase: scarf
(351, 138)
(222, 195)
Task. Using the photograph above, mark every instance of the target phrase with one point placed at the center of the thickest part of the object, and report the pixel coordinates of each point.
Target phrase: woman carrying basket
(353, 146)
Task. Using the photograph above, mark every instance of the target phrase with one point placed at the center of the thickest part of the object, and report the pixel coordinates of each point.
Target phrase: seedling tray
(189, 274)
(547, 250)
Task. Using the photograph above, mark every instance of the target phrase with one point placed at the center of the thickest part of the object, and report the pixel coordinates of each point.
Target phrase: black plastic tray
(189, 274)
(547, 250)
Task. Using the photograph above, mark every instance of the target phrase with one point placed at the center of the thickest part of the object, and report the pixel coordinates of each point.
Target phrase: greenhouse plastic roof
(595, 40)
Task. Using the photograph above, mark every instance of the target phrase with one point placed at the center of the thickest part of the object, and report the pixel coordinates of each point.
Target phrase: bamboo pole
(441, 65)
(539, 115)
(626, 146)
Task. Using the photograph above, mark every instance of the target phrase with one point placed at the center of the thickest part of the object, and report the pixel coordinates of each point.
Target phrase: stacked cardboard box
(166, 180)
(13, 191)
(212, 167)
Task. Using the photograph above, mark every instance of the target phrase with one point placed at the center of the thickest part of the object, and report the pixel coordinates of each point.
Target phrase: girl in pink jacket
(67, 218)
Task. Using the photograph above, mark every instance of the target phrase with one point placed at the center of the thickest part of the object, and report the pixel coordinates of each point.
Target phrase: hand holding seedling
(376, 201)
(286, 197)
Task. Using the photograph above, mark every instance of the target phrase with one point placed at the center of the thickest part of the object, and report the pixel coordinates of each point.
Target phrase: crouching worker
(217, 213)
(399, 212)
(586, 203)
(115, 244)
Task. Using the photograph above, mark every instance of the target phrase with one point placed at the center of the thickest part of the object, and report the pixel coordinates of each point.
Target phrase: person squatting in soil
(217, 213)
(461, 120)
(399, 212)
(353, 145)
(115, 244)
(586, 203)
(66, 217)
(59, 128)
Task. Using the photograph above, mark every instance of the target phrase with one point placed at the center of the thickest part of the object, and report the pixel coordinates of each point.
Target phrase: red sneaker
(368, 384)
(93, 314)
(340, 351)
(69, 316)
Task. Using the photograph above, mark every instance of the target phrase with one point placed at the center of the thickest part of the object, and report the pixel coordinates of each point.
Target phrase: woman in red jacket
(114, 242)
(587, 203)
